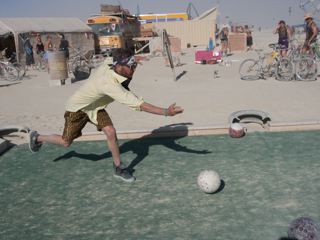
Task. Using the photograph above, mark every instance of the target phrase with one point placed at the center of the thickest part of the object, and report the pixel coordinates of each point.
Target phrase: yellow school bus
(148, 19)
(112, 32)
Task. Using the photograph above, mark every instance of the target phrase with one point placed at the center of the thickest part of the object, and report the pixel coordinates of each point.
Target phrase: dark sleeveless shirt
(63, 45)
(309, 30)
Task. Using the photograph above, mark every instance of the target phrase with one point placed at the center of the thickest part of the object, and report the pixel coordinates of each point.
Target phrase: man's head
(308, 17)
(282, 24)
(124, 62)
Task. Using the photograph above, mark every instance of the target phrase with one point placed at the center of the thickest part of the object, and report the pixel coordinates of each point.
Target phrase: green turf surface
(269, 179)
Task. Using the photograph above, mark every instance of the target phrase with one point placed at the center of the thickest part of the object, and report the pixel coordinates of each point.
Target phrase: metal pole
(273, 22)
(289, 16)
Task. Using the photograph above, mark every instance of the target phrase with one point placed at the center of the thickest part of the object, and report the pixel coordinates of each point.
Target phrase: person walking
(49, 48)
(311, 33)
(284, 36)
(63, 45)
(28, 46)
(88, 104)
(249, 37)
(40, 46)
(224, 40)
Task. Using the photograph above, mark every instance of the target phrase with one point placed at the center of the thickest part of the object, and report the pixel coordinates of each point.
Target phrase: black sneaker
(33, 144)
(122, 173)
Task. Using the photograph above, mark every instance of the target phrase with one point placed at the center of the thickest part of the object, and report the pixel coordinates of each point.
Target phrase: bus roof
(120, 15)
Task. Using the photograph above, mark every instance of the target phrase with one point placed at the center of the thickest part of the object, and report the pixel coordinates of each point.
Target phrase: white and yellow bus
(148, 19)
(112, 32)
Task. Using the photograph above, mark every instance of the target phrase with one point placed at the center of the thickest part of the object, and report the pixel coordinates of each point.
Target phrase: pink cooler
(207, 55)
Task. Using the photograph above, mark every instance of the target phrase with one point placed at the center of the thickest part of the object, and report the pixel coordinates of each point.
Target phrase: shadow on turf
(284, 238)
(222, 185)
(141, 147)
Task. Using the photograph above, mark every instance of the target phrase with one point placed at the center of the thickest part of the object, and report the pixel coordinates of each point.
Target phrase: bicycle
(285, 66)
(307, 67)
(250, 68)
(19, 66)
(9, 72)
(81, 64)
(41, 64)
(81, 61)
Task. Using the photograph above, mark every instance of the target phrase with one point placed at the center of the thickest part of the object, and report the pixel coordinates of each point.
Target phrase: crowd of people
(63, 45)
(284, 32)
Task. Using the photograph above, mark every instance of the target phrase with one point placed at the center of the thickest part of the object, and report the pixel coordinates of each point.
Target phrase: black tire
(10, 73)
(81, 68)
(21, 68)
(284, 70)
(249, 69)
(306, 69)
(81, 73)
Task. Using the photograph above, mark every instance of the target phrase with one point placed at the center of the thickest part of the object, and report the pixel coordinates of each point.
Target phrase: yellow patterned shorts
(76, 121)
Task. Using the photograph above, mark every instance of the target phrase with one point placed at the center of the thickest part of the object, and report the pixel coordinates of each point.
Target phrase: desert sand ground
(205, 99)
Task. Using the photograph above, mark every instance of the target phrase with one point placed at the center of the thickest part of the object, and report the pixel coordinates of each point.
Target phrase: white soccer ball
(209, 181)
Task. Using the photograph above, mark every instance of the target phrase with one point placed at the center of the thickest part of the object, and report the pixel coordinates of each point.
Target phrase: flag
(138, 10)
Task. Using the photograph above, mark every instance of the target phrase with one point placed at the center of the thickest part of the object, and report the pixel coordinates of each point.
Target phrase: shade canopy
(24, 25)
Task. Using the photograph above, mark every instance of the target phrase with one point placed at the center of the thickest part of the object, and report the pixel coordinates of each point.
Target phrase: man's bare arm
(170, 111)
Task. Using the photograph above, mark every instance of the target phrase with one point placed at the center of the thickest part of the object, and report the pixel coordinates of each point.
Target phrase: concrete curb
(189, 130)
(3, 145)
(280, 126)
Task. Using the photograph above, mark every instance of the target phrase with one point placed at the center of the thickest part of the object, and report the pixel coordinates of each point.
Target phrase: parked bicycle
(285, 67)
(307, 67)
(9, 72)
(265, 66)
(81, 61)
(12, 60)
(304, 66)
(41, 64)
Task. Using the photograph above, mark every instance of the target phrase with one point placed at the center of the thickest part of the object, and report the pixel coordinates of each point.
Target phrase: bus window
(106, 29)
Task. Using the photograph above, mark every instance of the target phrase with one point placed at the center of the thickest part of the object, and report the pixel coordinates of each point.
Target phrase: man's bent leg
(54, 139)
(74, 123)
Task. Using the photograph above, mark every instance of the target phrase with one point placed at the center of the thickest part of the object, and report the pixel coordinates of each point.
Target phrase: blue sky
(256, 12)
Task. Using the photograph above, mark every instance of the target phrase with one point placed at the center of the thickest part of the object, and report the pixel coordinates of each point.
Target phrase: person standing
(63, 45)
(224, 40)
(29, 53)
(49, 48)
(40, 46)
(311, 33)
(88, 104)
(284, 36)
(249, 37)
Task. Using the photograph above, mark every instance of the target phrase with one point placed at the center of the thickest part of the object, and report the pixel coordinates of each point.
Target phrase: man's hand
(174, 110)
(139, 58)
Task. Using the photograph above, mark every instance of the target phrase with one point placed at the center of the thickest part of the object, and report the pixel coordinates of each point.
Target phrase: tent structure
(3, 31)
(76, 32)
(211, 14)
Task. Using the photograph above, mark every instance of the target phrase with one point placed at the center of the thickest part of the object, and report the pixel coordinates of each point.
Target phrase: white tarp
(24, 25)
(211, 14)
(3, 30)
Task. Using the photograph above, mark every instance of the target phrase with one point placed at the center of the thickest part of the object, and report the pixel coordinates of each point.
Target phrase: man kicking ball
(89, 102)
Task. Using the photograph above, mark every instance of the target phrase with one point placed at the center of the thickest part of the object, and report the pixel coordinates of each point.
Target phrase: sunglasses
(133, 66)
